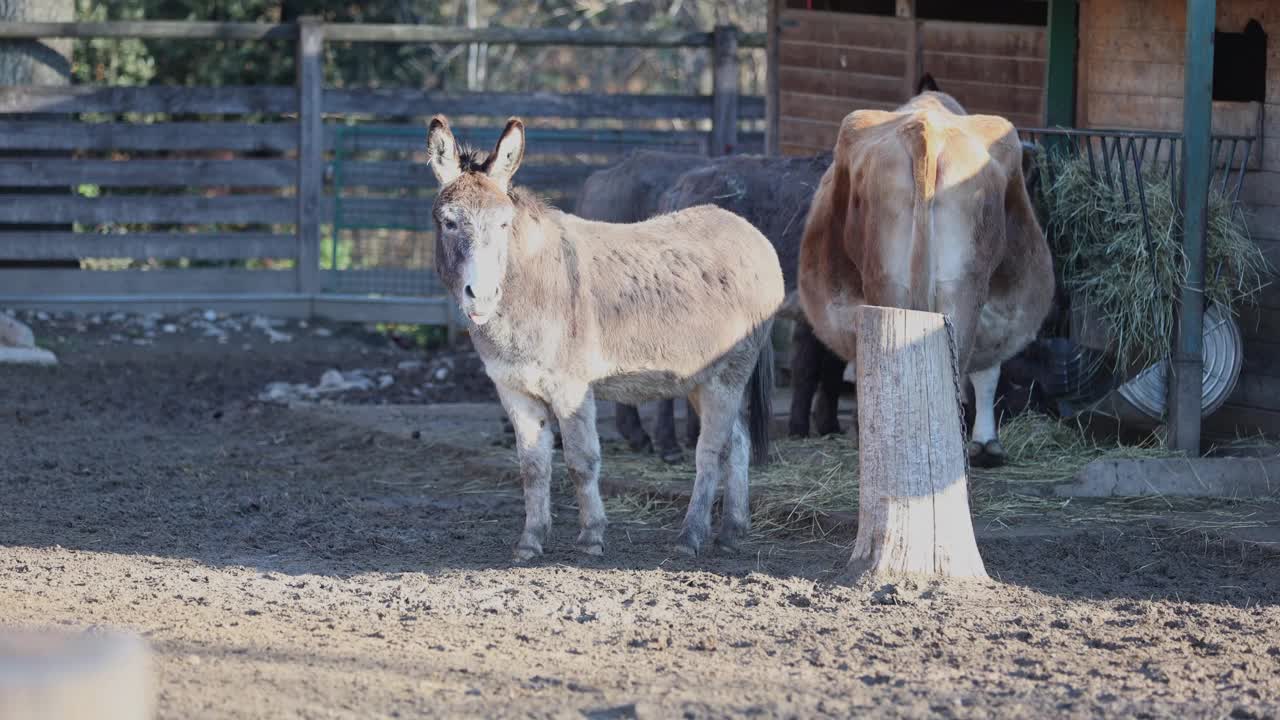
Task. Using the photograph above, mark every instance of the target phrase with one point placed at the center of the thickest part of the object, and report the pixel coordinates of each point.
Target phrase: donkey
(772, 194)
(564, 310)
(926, 208)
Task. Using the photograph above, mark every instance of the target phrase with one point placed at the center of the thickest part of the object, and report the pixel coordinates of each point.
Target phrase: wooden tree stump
(75, 676)
(913, 515)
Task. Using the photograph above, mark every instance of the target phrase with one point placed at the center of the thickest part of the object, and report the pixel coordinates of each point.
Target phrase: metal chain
(955, 376)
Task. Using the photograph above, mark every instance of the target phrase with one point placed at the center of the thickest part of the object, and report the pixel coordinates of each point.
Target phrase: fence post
(310, 84)
(724, 91)
(771, 96)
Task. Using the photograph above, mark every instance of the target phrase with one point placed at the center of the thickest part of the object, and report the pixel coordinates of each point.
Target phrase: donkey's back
(666, 300)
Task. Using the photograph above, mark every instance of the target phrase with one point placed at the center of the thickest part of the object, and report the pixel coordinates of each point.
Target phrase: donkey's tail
(760, 403)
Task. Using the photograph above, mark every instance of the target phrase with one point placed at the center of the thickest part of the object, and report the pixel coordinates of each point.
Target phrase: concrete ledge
(1184, 477)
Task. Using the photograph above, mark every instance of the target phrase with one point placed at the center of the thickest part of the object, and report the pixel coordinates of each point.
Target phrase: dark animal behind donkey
(564, 310)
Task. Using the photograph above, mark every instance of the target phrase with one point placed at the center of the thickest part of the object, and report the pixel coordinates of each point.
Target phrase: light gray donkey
(564, 310)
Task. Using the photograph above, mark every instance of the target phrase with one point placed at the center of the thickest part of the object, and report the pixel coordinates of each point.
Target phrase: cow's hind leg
(985, 449)
(582, 458)
(719, 405)
(531, 421)
(627, 418)
(665, 432)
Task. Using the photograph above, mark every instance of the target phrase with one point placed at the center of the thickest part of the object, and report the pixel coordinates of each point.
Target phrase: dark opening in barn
(1240, 64)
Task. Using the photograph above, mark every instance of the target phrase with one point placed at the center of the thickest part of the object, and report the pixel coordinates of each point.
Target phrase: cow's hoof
(986, 455)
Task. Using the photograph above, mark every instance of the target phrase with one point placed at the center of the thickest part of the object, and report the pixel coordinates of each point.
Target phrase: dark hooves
(986, 455)
(673, 457)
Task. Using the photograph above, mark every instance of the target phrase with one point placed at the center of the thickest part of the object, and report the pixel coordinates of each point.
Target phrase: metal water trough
(1120, 159)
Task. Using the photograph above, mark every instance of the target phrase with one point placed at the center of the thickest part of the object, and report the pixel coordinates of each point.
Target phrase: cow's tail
(924, 169)
(760, 403)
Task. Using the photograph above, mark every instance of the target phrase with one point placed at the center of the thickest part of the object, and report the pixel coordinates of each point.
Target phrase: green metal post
(1060, 76)
(1185, 380)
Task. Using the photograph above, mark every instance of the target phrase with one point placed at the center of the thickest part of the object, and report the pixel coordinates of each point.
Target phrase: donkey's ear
(507, 155)
(442, 151)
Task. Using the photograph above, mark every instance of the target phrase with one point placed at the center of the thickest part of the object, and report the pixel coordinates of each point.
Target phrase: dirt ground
(283, 564)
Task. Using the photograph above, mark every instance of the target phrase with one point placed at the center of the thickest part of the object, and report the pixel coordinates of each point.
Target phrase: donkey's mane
(474, 160)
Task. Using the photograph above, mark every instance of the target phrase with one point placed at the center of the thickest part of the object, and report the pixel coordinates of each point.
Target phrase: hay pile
(811, 488)
(1104, 258)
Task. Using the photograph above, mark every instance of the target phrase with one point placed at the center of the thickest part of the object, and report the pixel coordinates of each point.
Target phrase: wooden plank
(367, 213)
(21, 135)
(540, 141)
(153, 29)
(847, 29)
(309, 62)
(984, 39)
(1262, 358)
(37, 283)
(147, 209)
(1004, 71)
(1258, 323)
(271, 304)
(841, 84)
(140, 246)
(1148, 46)
(365, 32)
(809, 133)
(772, 30)
(1263, 221)
(1162, 79)
(843, 59)
(364, 309)
(1232, 421)
(725, 75)
(1257, 391)
(398, 174)
(54, 172)
(826, 109)
(404, 102)
(995, 99)
(1262, 189)
(36, 99)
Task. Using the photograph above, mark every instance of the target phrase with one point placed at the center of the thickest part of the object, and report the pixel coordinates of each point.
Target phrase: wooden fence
(256, 181)
(830, 62)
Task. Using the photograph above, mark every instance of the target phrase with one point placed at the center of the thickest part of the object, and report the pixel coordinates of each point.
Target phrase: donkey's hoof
(826, 429)
(643, 445)
(595, 549)
(690, 542)
(730, 542)
(673, 457)
(798, 431)
(526, 551)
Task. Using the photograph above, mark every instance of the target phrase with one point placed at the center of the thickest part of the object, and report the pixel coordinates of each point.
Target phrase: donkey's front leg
(531, 420)
(582, 456)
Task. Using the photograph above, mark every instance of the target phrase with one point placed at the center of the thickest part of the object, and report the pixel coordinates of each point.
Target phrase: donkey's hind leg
(665, 432)
(627, 418)
(735, 520)
(719, 406)
(582, 457)
(531, 421)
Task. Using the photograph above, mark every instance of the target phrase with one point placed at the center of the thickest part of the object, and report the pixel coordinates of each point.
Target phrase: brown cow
(926, 208)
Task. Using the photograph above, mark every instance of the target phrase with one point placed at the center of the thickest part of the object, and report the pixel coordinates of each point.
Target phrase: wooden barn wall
(1131, 76)
(830, 64)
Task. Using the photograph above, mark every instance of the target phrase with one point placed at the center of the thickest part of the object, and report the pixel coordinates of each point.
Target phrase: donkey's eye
(504, 225)
(450, 225)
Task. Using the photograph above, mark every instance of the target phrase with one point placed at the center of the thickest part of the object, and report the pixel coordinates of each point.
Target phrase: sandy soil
(283, 565)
